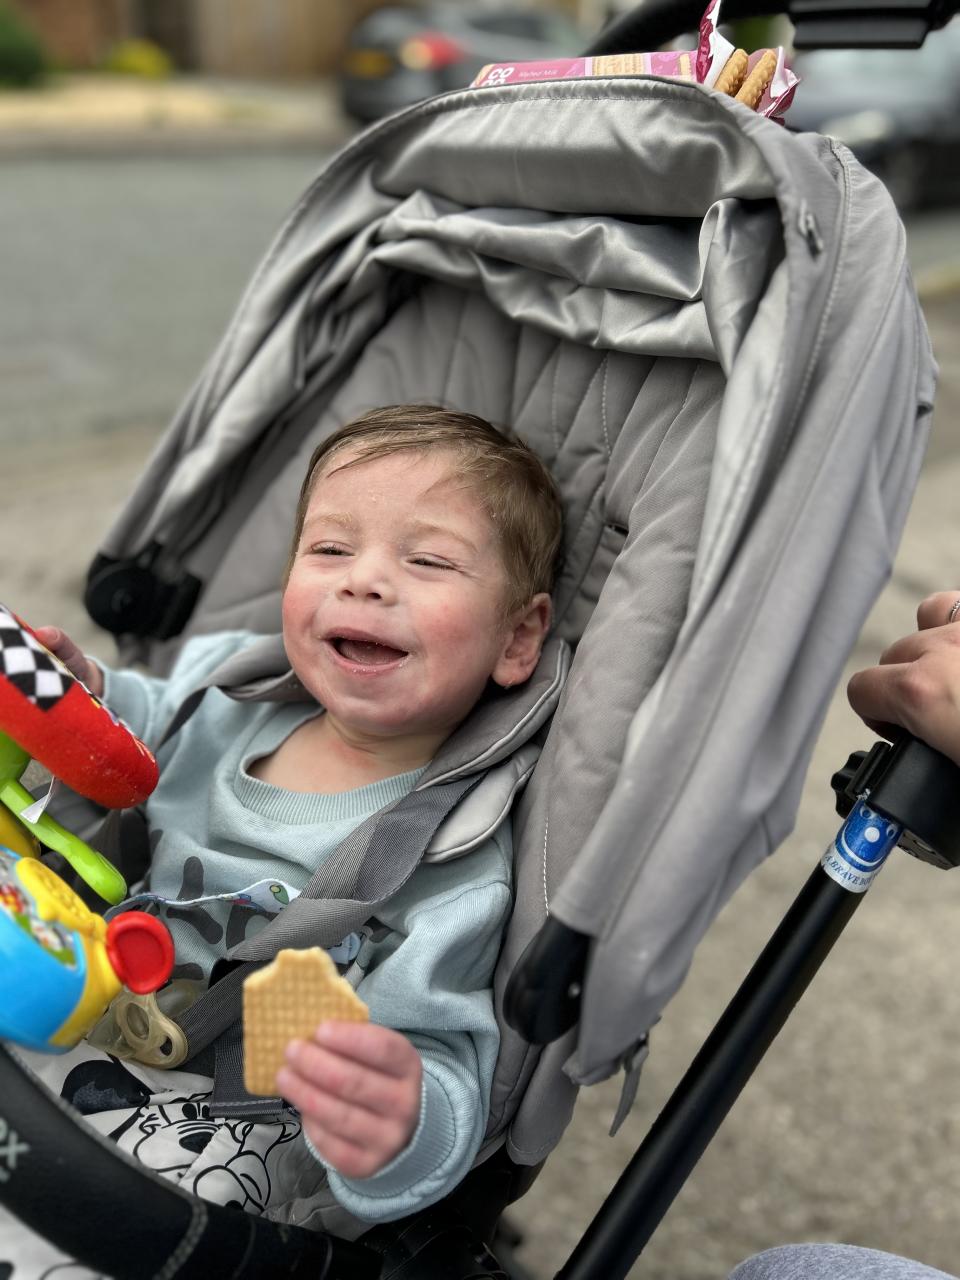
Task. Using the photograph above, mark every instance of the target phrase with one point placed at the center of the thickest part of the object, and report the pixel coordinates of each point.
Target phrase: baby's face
(392, 614)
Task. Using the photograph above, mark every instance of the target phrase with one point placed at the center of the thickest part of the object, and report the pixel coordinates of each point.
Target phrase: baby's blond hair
(512, 485)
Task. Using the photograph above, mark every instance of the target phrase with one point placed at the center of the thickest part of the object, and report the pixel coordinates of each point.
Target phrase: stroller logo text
(860, 848)
(11, 1147)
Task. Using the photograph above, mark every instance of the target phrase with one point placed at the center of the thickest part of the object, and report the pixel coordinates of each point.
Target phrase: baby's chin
(392, 724)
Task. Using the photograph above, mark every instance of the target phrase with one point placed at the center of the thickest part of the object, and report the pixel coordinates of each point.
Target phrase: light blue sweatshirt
(217, 830)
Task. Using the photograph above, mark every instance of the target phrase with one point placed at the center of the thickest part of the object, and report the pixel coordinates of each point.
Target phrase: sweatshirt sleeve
(147, 703)
(432, 979)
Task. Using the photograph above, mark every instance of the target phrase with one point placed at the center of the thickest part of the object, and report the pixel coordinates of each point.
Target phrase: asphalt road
(118, 275)
(116, 278)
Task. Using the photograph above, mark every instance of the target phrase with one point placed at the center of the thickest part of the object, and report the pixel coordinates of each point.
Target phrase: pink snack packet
(696, 66)
(713, 51)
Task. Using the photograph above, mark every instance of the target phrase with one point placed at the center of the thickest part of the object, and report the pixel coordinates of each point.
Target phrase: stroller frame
(908, 784)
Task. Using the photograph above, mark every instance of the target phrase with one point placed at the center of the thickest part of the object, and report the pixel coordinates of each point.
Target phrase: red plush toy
(57, 720)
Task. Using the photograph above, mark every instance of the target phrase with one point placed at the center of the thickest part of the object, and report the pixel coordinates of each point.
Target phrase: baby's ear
(527, 631)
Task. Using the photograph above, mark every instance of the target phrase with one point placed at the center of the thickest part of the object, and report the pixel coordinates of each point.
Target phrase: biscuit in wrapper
(733, 74)
(287, 1000)
(756, 83)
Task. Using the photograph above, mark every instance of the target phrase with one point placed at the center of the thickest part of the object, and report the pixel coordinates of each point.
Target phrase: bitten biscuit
(287, 1000)
(752, 89)
(733, 73)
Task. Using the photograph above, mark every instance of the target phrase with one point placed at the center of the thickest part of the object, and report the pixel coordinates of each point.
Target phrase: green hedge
(23, 60)
(139, 58)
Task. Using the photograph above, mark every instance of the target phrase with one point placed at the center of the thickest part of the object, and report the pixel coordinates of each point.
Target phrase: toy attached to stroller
(61, 963)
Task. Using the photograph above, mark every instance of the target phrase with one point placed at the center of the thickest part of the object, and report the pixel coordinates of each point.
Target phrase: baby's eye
(430, 563)
(327, 549)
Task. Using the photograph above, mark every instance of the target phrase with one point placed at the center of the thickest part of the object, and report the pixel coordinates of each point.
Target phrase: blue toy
(60, 963)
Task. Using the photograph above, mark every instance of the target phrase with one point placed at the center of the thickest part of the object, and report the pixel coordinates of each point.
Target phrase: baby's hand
(357, 1087)
(60, 644)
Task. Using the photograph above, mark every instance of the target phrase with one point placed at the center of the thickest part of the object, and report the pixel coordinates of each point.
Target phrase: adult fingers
(935, 610)
(921, 696)
(933, 640)
(874, 693)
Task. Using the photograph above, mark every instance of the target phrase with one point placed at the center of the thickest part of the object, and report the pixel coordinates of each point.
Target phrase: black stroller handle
(916, 789)
(819, 24)
(713, 1082)
(128, 1223)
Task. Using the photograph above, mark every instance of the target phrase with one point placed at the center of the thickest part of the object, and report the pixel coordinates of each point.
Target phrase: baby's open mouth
(367, 653)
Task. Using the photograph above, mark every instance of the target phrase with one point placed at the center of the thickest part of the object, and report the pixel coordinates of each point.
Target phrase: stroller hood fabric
(707, 328)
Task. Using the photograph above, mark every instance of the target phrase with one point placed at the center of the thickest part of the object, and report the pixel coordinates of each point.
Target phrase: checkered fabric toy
(29, 666)
(60, 724)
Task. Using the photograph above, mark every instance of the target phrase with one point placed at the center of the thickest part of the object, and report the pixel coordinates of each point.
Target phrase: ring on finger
(954, 610)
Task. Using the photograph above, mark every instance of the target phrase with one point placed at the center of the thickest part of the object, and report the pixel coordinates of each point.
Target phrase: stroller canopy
(706, 327)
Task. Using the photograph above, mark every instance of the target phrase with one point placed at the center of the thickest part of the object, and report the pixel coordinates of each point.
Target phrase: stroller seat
(705, 325)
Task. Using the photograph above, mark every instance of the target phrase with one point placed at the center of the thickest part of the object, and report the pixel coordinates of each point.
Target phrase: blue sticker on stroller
(860, 848)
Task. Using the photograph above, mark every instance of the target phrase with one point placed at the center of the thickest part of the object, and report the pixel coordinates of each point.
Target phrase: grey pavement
(119, 276)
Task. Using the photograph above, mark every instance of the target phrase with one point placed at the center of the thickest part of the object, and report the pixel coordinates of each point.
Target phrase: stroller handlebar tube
(819, 24)
(904, 783)
(691, 1117)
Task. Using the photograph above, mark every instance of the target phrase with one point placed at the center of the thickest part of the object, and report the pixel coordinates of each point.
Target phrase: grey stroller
(706, 327)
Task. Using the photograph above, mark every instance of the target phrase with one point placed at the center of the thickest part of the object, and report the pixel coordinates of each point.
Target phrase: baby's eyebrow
(343, 519)
(419, 527)
(415, 528)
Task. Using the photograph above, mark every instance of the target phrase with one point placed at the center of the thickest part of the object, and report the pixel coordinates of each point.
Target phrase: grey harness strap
(374, 862)
(367, 868)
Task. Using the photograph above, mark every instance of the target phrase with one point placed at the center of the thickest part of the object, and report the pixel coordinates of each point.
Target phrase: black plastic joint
(914, 786)
(542, 997)
(129, 597)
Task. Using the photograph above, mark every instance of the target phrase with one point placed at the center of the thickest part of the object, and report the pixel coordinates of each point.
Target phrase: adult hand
(72, 657)
(357, 1087)
(917, 682)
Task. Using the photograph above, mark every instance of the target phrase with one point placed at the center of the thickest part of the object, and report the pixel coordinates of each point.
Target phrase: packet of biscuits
(761, 79)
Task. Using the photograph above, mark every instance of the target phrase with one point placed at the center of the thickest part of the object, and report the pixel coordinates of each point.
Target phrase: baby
(422, 560)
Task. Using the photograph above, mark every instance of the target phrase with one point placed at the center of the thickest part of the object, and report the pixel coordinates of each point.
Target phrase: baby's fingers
(60, 644)
(349, 1159)
(338, 1115)
(367, 1042)
(352, 1082)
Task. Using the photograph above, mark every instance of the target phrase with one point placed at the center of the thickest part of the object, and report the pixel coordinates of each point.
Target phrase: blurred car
(399, 56)
(898, 110)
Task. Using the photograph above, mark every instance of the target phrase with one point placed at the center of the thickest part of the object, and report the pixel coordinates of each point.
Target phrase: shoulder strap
(377, 859)
(367, 869)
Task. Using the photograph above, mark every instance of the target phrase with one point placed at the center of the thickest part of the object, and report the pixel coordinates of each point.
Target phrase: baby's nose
(368, 577)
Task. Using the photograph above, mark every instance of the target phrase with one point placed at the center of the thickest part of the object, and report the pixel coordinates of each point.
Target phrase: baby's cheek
(453, 630)
(464, 622)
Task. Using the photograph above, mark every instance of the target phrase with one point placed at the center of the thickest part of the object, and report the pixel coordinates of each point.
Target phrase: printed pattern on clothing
(161, 1119)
